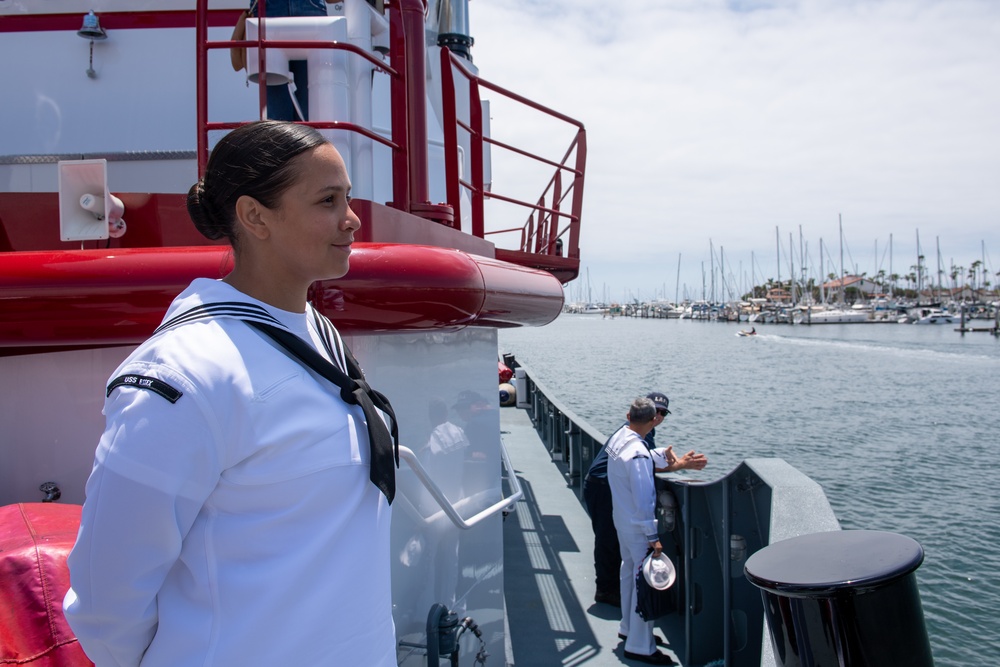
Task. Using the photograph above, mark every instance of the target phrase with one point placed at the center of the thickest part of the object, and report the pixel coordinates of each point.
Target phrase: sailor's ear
(251, 217)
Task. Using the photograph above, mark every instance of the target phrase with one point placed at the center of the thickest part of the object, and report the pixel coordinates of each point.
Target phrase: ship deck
(549, 566)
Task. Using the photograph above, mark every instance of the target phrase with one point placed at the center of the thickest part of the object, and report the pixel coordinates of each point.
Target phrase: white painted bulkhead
(52, 422)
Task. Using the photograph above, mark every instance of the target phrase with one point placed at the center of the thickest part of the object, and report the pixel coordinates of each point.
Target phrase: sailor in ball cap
(633, 493)
(597, 495)
(661, 402)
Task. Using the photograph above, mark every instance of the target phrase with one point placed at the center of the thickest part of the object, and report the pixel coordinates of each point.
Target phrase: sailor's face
(316, 225)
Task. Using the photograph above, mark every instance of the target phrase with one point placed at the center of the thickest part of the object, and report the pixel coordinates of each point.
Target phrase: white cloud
(721, 120)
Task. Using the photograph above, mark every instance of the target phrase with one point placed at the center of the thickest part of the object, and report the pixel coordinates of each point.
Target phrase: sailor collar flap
(629, 446)
(354, 390)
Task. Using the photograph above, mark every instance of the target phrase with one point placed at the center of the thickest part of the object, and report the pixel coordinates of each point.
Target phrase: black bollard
(843, 598)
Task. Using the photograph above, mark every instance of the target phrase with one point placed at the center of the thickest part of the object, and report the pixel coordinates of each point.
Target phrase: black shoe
(654, 659)
(613, 599)
(659, 642)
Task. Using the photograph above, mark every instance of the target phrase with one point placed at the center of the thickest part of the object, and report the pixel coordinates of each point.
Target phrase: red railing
(543, 237)
(548, 222)
(399, 144)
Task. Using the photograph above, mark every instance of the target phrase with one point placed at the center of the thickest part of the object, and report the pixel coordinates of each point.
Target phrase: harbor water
(899, 423)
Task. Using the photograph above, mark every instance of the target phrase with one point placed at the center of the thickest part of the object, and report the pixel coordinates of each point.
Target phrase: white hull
(835, 317)
(938, 319)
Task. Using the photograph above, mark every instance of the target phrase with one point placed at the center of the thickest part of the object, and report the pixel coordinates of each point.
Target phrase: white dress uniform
(633, 496)
(229, 517)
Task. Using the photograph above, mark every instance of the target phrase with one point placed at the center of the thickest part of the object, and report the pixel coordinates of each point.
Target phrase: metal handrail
(398, 144)
(547, 229)
(406, 454)
(408, 141)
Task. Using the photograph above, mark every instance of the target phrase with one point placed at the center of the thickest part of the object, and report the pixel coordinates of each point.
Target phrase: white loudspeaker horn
(278, 73)
(87, 209)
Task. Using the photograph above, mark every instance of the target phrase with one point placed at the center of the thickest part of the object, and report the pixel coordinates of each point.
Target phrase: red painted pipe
(412, 13)
(117, 297)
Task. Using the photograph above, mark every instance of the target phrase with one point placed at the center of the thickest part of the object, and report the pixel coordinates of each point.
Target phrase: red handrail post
(261, 59)
(450, 128)
(412, 14)
(476, 160)
(398, 93)
(543, 218)
(553, 229)
(574, 226)
(201, 85)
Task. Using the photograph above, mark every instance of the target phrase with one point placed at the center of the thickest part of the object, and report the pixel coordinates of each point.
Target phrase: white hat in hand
(659, 572)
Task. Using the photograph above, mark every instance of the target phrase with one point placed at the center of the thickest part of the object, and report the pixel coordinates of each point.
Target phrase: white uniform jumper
(633, 496)
(234, 524)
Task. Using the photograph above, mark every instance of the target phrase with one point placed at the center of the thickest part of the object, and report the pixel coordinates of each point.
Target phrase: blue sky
(724, 121)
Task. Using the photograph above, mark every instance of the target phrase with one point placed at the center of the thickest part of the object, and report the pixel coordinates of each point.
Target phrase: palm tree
(974, 273)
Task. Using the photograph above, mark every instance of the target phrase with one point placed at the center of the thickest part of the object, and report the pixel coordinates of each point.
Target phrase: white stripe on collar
(241, 310)
(236, 309)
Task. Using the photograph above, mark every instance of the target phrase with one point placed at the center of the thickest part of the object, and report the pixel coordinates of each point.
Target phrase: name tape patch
(142, 382)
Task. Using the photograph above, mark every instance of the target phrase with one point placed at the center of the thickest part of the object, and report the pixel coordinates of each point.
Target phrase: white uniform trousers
(639, 632)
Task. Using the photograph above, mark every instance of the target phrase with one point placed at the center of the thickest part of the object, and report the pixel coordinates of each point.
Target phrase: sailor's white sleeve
(659, 458)
(640, 470)
(155, 465)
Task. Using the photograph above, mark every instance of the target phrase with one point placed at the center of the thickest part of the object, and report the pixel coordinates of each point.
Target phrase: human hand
(691, 461)
(657, 548)
(668, 454)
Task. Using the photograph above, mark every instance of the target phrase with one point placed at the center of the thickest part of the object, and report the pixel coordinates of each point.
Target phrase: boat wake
(875, 347)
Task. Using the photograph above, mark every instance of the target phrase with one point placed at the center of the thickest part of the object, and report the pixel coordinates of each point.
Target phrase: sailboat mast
(677, 286)
(777, 247)
(802, 263)
(920, 271)
(711, 259)
(791, 268)
(891, 274)
(822, 276)
(937, 240)
(840, 219)
(722, 275)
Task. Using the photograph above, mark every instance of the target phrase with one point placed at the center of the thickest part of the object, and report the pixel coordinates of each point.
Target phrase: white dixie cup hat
(659, 572)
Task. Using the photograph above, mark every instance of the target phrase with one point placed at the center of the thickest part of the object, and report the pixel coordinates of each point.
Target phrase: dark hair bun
(204, 215)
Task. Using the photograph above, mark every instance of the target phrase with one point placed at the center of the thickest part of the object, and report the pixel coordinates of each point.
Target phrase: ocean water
(900, 424)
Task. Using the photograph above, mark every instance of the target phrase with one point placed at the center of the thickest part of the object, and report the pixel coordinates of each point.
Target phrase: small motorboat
(744, 332)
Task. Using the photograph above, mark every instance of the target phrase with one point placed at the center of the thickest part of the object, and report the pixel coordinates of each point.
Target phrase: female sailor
(238, 509)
